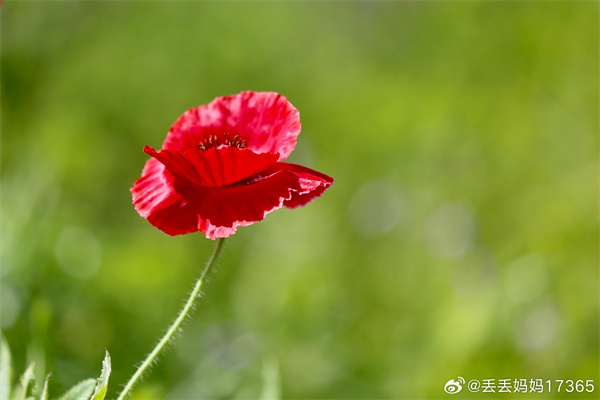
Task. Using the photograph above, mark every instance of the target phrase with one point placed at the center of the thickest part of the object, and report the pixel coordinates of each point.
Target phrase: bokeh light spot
(375, 208)
(539, 328)
(451, 231)
(78, 252)
(525, 278)
(10, 306)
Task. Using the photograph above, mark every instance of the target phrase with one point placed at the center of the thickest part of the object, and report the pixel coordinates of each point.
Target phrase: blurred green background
(459, 239)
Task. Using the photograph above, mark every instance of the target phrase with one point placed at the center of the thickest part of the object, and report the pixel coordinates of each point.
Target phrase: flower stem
(183, 314)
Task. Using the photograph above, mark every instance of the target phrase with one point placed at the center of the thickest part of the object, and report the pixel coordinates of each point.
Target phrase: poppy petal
(221, 166)
(218, 211)
(177, 219)
(266, 121)
(313, 184)
(244, 204)
(154, 190)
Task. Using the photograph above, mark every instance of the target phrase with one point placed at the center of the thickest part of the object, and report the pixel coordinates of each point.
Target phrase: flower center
(222, 140)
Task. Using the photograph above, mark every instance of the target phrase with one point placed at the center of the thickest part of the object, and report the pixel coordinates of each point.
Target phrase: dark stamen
(225, 139)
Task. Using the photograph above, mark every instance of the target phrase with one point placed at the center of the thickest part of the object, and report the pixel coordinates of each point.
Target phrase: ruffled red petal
(266, 121)
(213, 167)
(313, 185)
(218, 211)
(154, 190)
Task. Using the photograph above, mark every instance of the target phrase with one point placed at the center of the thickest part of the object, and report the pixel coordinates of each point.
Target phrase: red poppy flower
(221, 167)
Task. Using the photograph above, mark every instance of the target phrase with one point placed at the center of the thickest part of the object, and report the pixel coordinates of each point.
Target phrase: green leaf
(27, 377)
(82, 391)
(102, 382)
(5, 371)
(44, 395)
(271, 383)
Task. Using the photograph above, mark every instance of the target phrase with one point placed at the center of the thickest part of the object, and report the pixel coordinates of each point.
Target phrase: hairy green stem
(183, 314)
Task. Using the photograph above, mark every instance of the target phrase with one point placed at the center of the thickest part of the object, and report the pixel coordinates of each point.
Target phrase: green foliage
(81, 391)
(44, 394)
(89, 389)
(102, 382)
(28, 378)
(271, 389)
(5, 369)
